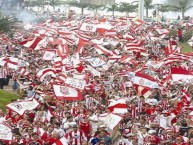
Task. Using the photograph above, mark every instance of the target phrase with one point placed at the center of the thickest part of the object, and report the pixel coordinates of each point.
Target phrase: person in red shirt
(179, 141)
(85, 126)
(35, 140)
(180, 35)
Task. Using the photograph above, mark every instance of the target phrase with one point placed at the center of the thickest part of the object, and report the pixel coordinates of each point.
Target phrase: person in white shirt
(58, 129)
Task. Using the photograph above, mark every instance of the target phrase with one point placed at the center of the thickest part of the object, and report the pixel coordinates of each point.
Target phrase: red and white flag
(23, 72)
(88, 27)
(34, 44)
(142, 91)
(180, 74)
(44, 72)
(66, 93)
(5, 133)
(118, 106)
(162, 31)
(110, 120)
(21, 106)
(145, 80)
(10, 62)
(61, 141)
(76, 83)
(49, 55)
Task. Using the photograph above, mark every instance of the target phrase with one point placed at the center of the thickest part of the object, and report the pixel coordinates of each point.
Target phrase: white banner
(96, 62)
(154, 64)
(5, 133)
(21, 106)
(76, 83)
(22, 63)
(88, 27)
(110, 120)
(49, 55)
(146, 82)
(93, 71)
(66, 93)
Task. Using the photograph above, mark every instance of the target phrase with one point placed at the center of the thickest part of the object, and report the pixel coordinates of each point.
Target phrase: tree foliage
(181, 6)
(7, 24)
(126, 7)
(148, 4)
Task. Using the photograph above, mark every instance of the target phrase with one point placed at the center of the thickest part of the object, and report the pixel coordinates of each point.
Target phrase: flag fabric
(49, 55)
(5, 133)
(76, 83)
(154, 64)
(93, 71)
(44, 72)
(145, 80)
(142, 91)
(66, 93)
(33, 44)
(88, 27)
(21, 106)
(180, 74)
(118, 106)
(23, 72)
(96, 62)
(110, 120)
(162, 31)
(61, 141)
(10, 62)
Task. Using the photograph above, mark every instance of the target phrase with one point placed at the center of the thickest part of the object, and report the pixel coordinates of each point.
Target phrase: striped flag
(61, 141)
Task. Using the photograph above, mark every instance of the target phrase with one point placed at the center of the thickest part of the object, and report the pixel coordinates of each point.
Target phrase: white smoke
(26, 16)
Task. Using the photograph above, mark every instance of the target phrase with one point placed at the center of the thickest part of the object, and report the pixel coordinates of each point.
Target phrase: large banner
(111, 120)
(76, 83)
(66, 93)
(21, 106)
(5, 132)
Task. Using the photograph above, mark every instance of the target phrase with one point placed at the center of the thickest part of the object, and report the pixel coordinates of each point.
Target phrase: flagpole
(141, 10)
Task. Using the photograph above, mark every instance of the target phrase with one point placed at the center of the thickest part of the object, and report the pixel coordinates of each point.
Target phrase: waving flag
(33, 44)
(21, 106)
(118, 106)
(75, 83)
(66, 93)
(49, 55)
(111, 120)
(96, 62)
(180, 74)
(145, 80)
(61, 141)
(44, 72)
(5, 133)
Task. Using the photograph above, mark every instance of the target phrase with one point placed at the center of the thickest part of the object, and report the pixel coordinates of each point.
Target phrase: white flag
(76, 83)
(111, 120)
(21, 106)
(49, 55)
(5, 133)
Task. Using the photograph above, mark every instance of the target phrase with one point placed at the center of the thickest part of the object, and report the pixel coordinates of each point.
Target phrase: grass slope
(6, 98)
(187, 48)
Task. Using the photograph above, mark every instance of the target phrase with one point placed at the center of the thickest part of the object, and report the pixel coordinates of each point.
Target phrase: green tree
(112, 8)
(7, 24)
(181, 6)
(148, 5)
(95, 8)
(163, 8)
(127, 8)
(77, 4)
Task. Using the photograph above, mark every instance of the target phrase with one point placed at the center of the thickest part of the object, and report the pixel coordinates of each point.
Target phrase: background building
(104, 2)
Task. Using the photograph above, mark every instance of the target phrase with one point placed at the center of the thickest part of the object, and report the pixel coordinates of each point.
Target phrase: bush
(172, 33)
(187, 35)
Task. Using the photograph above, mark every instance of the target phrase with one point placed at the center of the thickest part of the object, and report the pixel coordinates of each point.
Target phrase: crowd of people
(154, 114)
